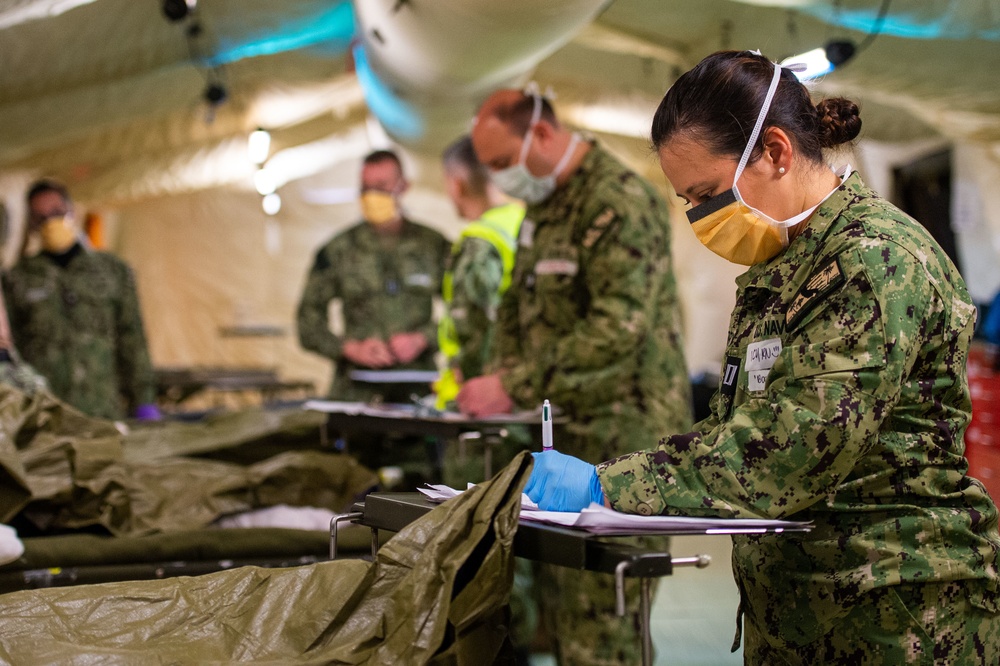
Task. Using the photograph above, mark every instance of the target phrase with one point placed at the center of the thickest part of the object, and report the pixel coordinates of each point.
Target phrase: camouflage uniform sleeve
(477, 274)
(313, 319)
(134, 367)
(823, 405)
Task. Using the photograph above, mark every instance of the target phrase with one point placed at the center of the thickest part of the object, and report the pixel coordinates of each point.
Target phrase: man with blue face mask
(590, 322)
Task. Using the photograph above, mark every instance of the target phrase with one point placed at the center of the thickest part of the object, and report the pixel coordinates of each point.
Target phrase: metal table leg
(335, 523)
(645, 605)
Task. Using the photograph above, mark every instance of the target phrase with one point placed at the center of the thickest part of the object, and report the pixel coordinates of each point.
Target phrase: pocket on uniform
(840, 354)
(555, 299)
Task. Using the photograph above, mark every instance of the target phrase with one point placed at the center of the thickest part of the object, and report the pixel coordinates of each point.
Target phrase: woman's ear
(778, 150)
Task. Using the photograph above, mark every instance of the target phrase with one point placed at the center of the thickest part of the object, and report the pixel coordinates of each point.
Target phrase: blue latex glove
(560, 482)
(147, 413)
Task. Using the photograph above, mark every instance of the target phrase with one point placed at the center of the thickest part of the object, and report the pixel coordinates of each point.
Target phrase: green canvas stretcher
(78, 559)
(61, 471)
(436, 593)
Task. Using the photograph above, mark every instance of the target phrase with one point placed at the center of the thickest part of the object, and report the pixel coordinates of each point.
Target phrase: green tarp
(436, 594)
(64, 470)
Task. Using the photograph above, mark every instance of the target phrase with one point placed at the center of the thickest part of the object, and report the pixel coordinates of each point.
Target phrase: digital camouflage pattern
(592, 323)
(478, 270)
(925, 624)
(844, 401)
(80, 326)
(387, 286)
(21, 376)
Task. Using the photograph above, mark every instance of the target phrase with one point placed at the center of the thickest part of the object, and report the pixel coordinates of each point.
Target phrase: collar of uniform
(569, 190)
(62, 260)
(370, 238)
(788, 269)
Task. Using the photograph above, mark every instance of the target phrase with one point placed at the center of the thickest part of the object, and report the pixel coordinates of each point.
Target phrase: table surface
(546, 543)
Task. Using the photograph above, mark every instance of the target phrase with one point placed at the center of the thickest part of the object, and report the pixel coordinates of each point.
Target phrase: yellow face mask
(378, 207)
(733, 229)
(58, 234)
(729, 228)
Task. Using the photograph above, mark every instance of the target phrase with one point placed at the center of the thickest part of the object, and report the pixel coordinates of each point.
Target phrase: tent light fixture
(215, 93)
(259, 146)
(837, 51)
(178, 10)
(264, 182)
(821, 61)
(271, 203)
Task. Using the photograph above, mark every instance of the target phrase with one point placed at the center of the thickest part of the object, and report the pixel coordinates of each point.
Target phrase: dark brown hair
(517, 115)
(719, 100)
(48, 185)
(379, 156)
(462, 155)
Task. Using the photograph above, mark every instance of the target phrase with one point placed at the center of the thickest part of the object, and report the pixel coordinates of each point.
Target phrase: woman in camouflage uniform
(843, 399)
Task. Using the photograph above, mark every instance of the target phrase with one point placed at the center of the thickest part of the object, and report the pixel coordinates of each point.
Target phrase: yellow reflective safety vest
(499, 227)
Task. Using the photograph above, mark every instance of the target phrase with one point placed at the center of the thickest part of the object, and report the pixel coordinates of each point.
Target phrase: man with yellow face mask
(386, 272)
(75, 317)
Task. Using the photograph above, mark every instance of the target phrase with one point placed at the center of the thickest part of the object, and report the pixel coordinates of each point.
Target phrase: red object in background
(982, 439)
(93, 226)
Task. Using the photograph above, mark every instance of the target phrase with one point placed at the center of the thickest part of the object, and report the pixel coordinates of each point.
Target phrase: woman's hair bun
(839, 121)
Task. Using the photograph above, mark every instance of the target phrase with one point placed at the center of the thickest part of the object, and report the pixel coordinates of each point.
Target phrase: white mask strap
(760, 123)
(536, 115)
(564, 160)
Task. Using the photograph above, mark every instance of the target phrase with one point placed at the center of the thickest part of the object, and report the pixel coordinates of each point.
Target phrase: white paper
(404, 411)
(440, 493)
(394, 376)
(598, 519)
(335, 407)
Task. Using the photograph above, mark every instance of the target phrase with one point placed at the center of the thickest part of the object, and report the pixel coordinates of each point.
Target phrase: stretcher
(560, 546)
(78, 559)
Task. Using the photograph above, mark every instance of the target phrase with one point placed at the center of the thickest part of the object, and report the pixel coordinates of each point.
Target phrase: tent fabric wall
(203, 263)
(976, 217)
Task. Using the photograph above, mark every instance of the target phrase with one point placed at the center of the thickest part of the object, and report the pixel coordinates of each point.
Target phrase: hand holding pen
(559, 482)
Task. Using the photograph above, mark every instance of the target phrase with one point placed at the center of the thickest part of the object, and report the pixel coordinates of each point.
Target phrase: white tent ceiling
(106, 95)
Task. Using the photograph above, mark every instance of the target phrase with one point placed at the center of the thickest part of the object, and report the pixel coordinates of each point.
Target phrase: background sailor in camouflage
(480, 264)
(591, 322)
(479, 272)
(844, 399)
(386, 271)
(75, 316)
(13, 370)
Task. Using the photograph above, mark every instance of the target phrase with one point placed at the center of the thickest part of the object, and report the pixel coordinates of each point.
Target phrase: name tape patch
(761, 356)
(556, 267)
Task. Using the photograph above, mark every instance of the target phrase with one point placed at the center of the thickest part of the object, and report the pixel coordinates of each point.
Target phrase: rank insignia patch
(819, 285)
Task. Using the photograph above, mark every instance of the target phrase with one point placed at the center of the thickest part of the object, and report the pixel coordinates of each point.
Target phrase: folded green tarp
(436, 594)
(65, 470)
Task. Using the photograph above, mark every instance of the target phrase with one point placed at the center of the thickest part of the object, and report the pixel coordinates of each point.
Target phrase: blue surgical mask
(518, 182)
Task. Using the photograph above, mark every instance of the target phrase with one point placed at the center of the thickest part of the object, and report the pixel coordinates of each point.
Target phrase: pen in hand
(546, 426)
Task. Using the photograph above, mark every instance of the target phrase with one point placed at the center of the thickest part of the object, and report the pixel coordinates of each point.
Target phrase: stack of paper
(598, 519)
(440, 493)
